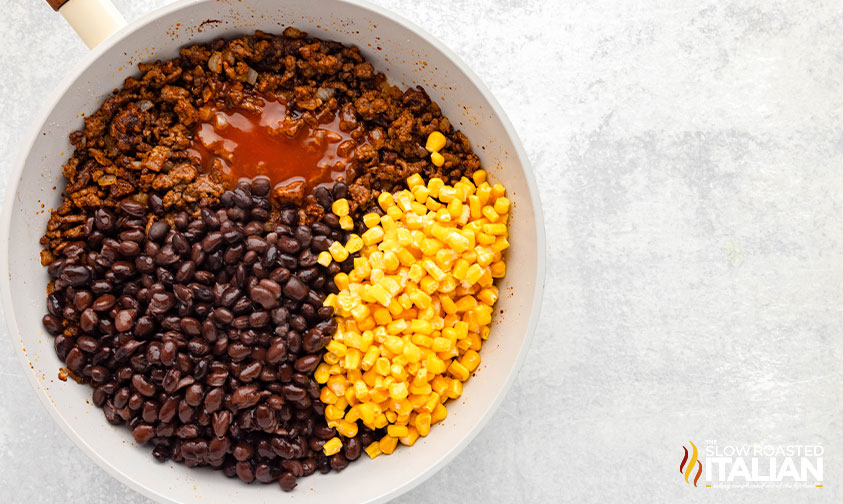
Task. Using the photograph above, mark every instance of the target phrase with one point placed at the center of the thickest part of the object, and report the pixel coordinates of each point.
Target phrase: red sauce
(296, 156)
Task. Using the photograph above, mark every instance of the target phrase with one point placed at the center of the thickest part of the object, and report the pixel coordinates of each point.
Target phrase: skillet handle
(93, 20)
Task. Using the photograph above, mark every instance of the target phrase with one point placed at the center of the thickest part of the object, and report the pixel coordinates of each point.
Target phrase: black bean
(293, 392)
(143, 385)
(260, 186)
(288, 244)
(132, 235)
(242, 199)
(245, 397)
(125, 320)
(75, 359)
(320, 243)
(133, 208)
(158, 230)
(104, 220)
(221, 422)
(331, 220)
(287, 481)
(52, 324)
(340, 190)
(323, 197)
(143, 433)
(295, 288)
(338, 462)
(203, 338)
(185, 272)
(180, 243)
(87, 344)
(156, 203)
(181, 220)
(75, 275)
(307, 363)
(190, 326)
(212, 242)
(289, 216)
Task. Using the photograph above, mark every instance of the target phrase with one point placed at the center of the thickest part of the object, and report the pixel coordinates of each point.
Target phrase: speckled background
(690, 157)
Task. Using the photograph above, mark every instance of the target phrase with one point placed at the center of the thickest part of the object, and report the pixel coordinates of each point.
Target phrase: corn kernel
(346, 222)
(410, 438)
(415, 179)
(458, 371)
(385, 200)
(374, 450)
(341, 281)
(332, 446)
(422, 424)
(435, 142)
(337, 348)
(346, 428)
(398, 390)
(484, 192)
(324, 258)
(421, 193)
(397, 431)
(354, 244)
(439, 414)
(371, 219)
(340, 207)
(432, 205)
(490, 214)
(454, 389)
(321, 374)
(388, 444)
(447, 194)
(373, 235)
(502, 205)
(338, 252)
(479, 176)
(327, 396)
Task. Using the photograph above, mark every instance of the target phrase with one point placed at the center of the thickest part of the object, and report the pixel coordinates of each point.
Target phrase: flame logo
(688, 468)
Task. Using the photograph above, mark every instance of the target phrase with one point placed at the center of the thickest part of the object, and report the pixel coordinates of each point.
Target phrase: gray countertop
(690, 158)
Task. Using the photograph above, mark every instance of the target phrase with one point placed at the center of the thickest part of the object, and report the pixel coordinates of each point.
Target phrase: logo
(687, 466)
(753, 465)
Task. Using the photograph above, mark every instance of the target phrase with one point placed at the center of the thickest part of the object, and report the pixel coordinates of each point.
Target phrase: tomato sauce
(296, 156)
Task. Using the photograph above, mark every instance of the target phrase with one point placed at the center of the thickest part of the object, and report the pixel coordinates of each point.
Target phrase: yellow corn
(354, 244)
(416, 179)
(415, 309)
(388, 444)
(346, 222)
(422, 424)
(435, 142)
(338, 252)
(332, 446)
(479, 176)
(373, 450)
(340, 207)
(324, 258)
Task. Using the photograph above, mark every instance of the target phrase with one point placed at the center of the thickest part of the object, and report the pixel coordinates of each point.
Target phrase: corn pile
(415, 310)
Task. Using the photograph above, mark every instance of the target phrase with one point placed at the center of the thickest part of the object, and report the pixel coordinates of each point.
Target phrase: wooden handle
(93, 20)
(56, 4)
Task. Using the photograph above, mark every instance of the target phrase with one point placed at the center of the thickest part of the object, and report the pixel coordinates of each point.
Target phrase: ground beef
(136, 145)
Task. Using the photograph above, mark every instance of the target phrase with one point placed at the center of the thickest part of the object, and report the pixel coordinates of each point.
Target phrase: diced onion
(325, 94)
(252, 76)
(215, 62)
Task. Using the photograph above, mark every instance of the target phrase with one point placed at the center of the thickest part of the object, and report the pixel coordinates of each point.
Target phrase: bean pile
(202, 334)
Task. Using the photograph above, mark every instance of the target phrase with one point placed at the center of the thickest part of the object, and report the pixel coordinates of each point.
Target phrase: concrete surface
(690, 155)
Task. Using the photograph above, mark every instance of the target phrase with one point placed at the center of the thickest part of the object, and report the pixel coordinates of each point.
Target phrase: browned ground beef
(135, 145)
